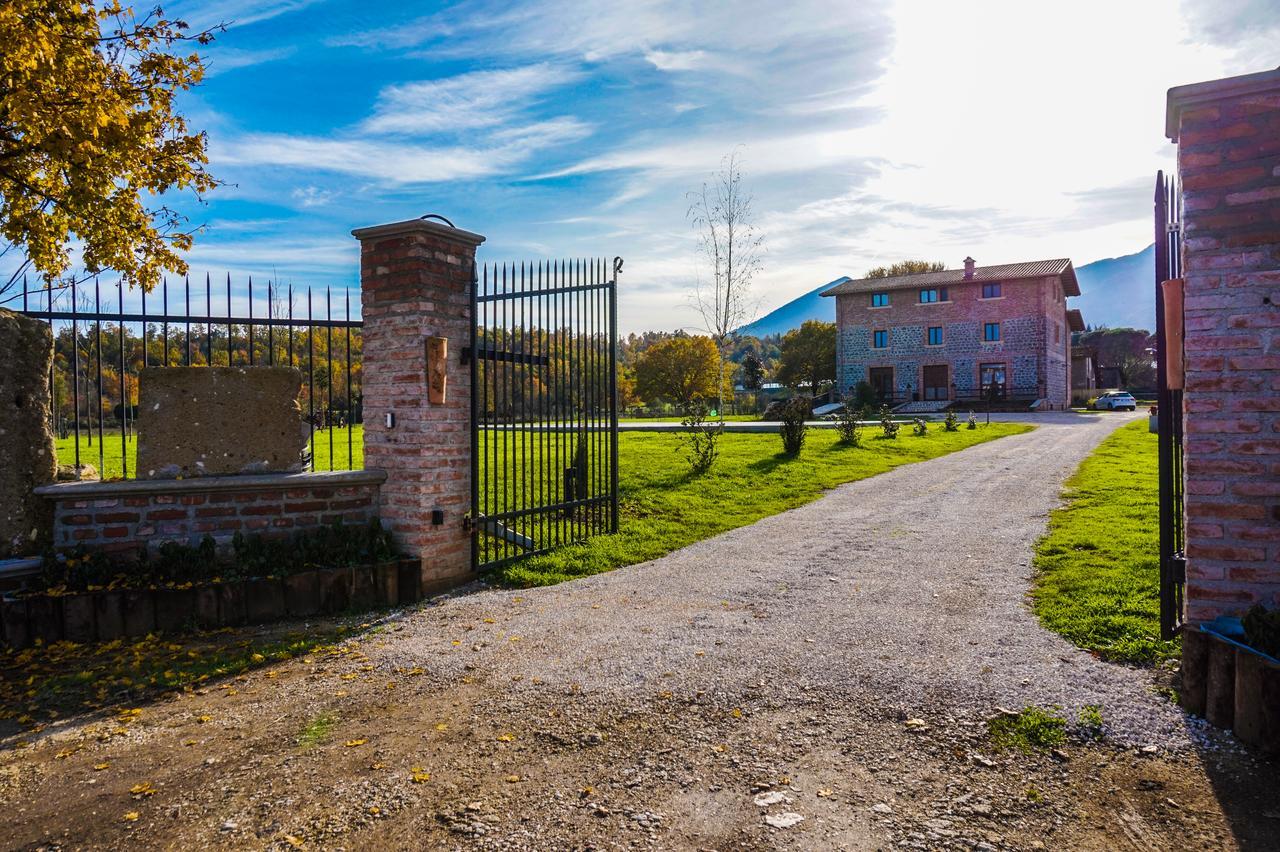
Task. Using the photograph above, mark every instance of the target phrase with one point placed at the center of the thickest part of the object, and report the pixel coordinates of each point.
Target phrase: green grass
(663, 507)
(318, 730)
(1030, 729)
(1098, 581)
(113, 468)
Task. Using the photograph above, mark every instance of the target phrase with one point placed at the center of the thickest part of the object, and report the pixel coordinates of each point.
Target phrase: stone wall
(124, 517)
(1228, 135)
(27, 457)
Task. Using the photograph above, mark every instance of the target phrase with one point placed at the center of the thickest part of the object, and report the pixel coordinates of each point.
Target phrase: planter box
(410, 582)
(108, 609)
(334, 588)
(139, 612)
(13, 614)
(206, 607)
(1234, 686)
(263, 599)
(302, 593)
(175, 609)
(386, 583)
(79, 621)
(363, 595)
(44, 618)
(231, 608)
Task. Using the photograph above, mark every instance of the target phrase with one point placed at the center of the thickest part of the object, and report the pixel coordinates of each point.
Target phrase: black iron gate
(1168, 237)
(544, 409)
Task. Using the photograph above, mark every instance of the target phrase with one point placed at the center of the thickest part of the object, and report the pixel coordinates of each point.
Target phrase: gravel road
(909, 586)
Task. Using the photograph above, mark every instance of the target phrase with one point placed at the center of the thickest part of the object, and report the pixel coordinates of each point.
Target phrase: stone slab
(212, 421)
(26, 353)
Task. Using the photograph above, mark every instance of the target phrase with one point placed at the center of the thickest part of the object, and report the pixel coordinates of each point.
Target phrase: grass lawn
(664, 508)
(1098, 581)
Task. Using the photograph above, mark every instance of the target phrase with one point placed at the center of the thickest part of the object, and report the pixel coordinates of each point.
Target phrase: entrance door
(881, 379)
(993, 384)
(935, 383)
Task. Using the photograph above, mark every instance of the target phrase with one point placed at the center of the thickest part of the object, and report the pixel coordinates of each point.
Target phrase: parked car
(1115, 401)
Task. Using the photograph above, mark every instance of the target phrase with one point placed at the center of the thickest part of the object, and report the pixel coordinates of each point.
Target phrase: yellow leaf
(131, 816)
(351, 676)
(354, 743)
(456, 642)
(737, 714)
(375, 810)
(825, 793)
(98, 767)
(341, 693)
(442, 726)
(419, 775)
(204, 718)
(506, 738)
(142, 790)
(512, 779)
(721, 748)
(295, 842)
(257, 658)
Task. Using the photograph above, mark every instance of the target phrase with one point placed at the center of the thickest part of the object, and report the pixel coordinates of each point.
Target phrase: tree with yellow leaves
(90, 139)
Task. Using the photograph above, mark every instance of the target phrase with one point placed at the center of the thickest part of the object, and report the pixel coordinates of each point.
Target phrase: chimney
(968, 268)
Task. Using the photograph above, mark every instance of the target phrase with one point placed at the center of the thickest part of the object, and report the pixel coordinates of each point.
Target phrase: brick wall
(416, 279)
(125, 516)
(1228, 134)
(1027, 310)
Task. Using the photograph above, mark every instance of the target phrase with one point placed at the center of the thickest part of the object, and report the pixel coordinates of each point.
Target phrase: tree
(682, 370)
(905, 267)
(87, 127)
(752, 372)
(731, 246)
(809, 355)
(1130, 350)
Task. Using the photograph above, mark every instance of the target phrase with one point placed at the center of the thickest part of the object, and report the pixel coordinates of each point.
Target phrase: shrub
(1262, 629)
(847, 425)
(793, 428)
(951, 424)
(864, 395)
(887, 424)
(920, 427)
(972, 422)
(700, 439)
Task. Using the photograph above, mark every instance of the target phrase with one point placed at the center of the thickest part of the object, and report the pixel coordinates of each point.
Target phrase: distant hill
(1116, 292)
(1119, 291)
(794, 313)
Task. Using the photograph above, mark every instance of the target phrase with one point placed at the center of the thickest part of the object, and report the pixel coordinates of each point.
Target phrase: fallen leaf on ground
(131, 816)
(354, 743)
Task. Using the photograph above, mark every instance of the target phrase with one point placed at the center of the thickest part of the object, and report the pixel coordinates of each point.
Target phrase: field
(1098, 581)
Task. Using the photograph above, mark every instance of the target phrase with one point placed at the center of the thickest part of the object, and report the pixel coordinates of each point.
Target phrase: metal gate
(1168, 237)
(544, 411)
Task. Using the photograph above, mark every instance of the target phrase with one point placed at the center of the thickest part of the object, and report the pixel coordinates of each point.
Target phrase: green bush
(887, 424)
(920, 427)
(972, 422)
(700, 440)
(847, 426)
(951, 424)
(793, 428)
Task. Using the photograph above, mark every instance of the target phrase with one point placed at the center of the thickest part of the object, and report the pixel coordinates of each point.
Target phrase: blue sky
(868, 131)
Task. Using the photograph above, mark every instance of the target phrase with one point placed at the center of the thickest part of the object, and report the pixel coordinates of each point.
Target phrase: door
(936, 385)
(992, 379)
(881, 379)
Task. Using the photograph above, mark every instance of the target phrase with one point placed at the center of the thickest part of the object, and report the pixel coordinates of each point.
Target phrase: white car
(1115, 401)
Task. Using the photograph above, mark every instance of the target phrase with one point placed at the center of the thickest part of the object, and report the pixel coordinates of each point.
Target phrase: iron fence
(101, 347)
(544, 409)
(1168, 266)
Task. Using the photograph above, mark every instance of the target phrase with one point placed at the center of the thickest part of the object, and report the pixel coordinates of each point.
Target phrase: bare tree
(732, 247)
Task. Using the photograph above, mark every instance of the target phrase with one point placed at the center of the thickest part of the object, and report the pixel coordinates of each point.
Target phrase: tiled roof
(1075, 320)
(1004, 272)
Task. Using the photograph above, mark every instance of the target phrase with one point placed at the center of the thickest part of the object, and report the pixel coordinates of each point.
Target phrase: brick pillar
(415, 280)
(1228, 135)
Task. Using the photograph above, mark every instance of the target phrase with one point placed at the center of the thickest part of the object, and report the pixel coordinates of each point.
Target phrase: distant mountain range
(1115, 292)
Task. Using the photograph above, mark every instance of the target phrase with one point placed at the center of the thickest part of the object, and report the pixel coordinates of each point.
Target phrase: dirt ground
(821, 679)
(414, 761)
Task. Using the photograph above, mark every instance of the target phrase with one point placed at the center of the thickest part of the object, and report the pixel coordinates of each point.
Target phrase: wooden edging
(1232, 686)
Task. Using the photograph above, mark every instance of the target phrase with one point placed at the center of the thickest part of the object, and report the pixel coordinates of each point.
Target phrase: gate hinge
(468, 522)
(1178, 566)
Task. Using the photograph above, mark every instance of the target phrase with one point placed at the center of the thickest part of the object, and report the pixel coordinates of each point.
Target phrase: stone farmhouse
(928, 340)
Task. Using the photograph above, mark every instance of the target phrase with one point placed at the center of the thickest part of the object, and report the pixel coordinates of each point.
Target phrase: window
(991, 291)
(935, 335)
(991, 332)
(931, 295)
(880, 339)
(879, 300)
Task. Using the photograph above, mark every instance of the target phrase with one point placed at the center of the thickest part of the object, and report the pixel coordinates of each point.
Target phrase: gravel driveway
(820, 679)
(908, 586)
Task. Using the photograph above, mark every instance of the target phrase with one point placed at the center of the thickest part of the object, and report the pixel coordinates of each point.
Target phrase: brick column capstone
(1228, 135)
(415, 280)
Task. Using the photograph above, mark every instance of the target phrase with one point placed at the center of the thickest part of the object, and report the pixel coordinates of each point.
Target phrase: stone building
(960, 335)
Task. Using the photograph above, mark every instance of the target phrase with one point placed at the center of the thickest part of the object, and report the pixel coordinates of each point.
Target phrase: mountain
(793, 314)
(1119, 291)
(1115, 292)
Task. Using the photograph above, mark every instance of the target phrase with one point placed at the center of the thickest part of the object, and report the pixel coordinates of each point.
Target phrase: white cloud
(223, 59)
(311, 196)
(475, 99)
(237, 13)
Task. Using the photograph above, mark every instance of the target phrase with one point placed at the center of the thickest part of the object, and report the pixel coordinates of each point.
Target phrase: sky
(868, 131)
